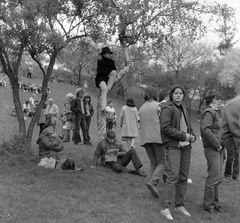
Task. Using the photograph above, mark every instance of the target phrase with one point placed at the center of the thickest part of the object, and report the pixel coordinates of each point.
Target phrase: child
(106, 76)
(110, 116)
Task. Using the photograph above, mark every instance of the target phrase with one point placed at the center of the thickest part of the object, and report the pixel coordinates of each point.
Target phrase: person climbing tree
(106, 76)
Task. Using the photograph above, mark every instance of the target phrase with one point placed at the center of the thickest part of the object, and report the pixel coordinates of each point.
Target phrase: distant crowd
(31, 87)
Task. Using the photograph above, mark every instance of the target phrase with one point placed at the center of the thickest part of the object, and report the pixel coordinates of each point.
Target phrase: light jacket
(150, 123)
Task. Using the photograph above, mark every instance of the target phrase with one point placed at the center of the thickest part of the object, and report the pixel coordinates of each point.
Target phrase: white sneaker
(166, 213)
(182, 210)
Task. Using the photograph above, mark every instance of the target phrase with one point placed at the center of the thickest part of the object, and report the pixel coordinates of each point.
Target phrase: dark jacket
(104, 67)
(210, 128)
(170, 119)
(49, 146)
(102, 147)
(91, 110)
(76, 107)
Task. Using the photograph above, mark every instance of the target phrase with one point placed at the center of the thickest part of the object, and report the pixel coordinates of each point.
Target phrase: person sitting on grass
(115, 157)
(26, 108)
(51, 148)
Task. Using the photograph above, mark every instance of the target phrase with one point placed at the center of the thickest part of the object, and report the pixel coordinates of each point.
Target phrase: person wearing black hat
(115, 157)
(106, 76)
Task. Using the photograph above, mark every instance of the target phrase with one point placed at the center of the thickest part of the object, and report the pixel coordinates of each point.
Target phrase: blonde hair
(70, 95)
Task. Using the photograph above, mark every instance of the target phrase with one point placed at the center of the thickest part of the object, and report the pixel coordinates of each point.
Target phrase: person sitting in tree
(106, 76)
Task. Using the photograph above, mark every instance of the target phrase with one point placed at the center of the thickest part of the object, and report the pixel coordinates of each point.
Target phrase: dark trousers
(80, 122)
(120, 165)
(88, 123)
(232, 164)
(41, 125)
(178, 170)
(29, 75)
(109, 124)
(214, 163)
(157, 155)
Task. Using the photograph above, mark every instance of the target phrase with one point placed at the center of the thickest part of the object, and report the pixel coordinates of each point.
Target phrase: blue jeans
(178, 170)
(157, 156)
(214, 162)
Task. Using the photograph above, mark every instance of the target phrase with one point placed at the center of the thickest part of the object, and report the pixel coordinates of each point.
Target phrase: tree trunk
(46, 77)
(18, 106)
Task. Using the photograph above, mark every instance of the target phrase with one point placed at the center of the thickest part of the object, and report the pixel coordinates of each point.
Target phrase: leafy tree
(78, 57)
(226, 27)
(184, 63)
(229, 76)
(41, 28)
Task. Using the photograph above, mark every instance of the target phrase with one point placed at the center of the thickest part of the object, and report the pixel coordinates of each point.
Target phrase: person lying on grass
(51, 149)
(115, 157)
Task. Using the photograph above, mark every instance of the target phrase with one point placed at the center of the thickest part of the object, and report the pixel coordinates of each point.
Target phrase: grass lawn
(32, 194)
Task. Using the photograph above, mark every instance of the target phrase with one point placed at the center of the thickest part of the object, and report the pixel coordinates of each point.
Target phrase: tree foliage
(229, 75)
(226, 27)
(79, 56)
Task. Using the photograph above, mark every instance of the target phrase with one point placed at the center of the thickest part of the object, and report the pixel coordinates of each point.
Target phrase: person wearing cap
(106, 76)
(112, 155)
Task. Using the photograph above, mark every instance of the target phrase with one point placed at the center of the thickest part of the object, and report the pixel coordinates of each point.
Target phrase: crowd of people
(165, 133)
(167, 136)
(31, 87)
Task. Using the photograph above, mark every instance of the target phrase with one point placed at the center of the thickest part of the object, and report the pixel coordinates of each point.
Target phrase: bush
(15, 152)
(16, 144)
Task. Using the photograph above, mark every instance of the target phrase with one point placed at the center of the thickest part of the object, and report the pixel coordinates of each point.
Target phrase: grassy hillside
(33, 194)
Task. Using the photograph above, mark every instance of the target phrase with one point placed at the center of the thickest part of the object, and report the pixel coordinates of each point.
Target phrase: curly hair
(173, 89)
(150, 93)
(70, 95)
